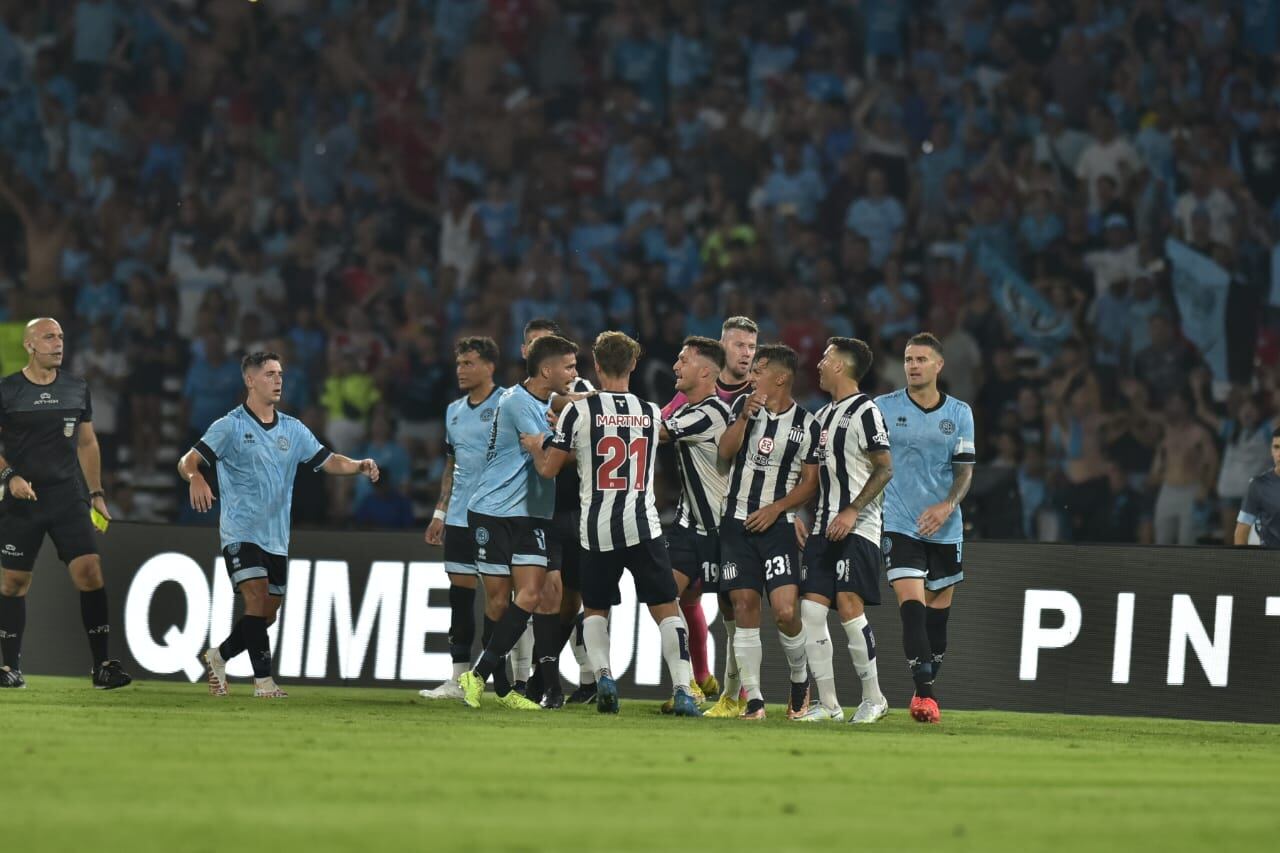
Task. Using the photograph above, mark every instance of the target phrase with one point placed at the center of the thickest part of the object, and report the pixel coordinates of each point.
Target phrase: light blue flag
(1201, 285)
(1031, 317)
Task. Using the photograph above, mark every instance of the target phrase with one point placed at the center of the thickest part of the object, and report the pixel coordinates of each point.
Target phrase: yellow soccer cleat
(726, 709)
(669, 706)
(513, 701)
(472, 688)
(710, 688)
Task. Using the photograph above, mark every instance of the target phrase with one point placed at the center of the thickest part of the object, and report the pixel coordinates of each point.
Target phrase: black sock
(13, 621)
(501, 683)
(936, 622)
(97, 623)
(505, 635)
(547, 643)
(233, 644)
(568, 627)
(254, 631)
(462, 623)
(915, 642)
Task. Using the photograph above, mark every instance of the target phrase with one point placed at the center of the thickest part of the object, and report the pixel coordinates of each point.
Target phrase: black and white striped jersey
(615, 437)
(851, 430)
(695, 430)
(774, 451)
(567, 480)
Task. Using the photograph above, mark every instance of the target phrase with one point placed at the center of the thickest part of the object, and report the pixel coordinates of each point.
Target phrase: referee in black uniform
(51, 455)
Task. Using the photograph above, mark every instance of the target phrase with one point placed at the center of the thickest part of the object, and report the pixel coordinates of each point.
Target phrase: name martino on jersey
(607, 420)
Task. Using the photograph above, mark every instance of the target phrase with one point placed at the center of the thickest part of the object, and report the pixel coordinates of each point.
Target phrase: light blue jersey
(256, 466)
(925, 444)
(509, 486)
(466, 431)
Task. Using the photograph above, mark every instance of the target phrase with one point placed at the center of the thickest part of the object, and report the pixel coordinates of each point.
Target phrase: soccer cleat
(472, 688)
(266, 688)
(695, 692)
(534, 688)
(12, 678)
(109, 676)
(799, 705)
(925, 710)
(820, 713)
(868, 712)
(514, 701)
(607, 695)
(217, 672)
(725, 709)
(710, 688)
(553, 699)
(684, 706)
(753, 711)
(449, 690)
(585, 693)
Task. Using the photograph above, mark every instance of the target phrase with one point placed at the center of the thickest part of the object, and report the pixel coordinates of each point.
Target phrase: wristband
(439, 514)
(6, 475)
(98, 493)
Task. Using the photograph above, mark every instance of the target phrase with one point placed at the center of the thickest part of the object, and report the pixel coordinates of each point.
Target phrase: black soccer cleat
(12, 678)
(553, 699)
(583, 695)
(109, 676)
(533, 689)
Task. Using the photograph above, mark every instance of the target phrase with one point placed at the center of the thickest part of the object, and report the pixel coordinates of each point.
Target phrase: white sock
(818, 650)
(793, 648)
(522, 655)
(459, 668)
(862, 648)
(732, 683)
(595, 636)
(586, 675)
(746, 646)
(675, 651)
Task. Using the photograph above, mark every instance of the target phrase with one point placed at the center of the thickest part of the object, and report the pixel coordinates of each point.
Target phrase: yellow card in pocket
(99, 520)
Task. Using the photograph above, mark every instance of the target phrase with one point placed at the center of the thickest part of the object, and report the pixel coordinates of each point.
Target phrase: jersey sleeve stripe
(965, 458)
(315, 463)
(206, 452)
(876, 435)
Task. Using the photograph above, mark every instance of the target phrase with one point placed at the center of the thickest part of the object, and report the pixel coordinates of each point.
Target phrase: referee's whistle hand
(21, 489)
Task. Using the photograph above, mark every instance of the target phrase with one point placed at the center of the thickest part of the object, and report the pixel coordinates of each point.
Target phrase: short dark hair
(925, 339)
(779, 354)
(856, 352)
(546, 347)
(707, 348)
(543, 324)
(742, 324)
(1275, 433)
(255, 360)
(485, 347)
(614, 353)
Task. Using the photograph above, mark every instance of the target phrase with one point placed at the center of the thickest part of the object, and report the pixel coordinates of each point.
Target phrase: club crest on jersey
(728, 571)
(886, 545)
(487, 415)
(68, 427)
(282, 443)
(947, 427)
(482, 536)
(765, 446)
(796, 436)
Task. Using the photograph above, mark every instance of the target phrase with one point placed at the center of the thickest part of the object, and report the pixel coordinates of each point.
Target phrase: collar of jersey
(496, 388)
(265, 426)
(942, 398)
(773, 416)
(533, 395)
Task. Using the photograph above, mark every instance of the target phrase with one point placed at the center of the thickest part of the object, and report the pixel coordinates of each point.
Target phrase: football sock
(462, 627)
(501, 684)
(793, 649)
(586, 674)
(732, 682)
(818, 650)
(746, 646)
(595, 636)
(233, 644)
(522, 655)
(97, 623)
(546, 649)
(696, 621)
(675, 651)
(505, 634)
(13, 621)
(254, 631)
(915, 642)
(936, 621)
(862, 648)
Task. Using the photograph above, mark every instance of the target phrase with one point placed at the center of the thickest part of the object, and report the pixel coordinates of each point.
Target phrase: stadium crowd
(1082, 200)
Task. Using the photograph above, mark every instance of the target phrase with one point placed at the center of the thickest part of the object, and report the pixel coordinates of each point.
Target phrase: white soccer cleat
(266, 688)
(868, 712)
(451, 689)
(217, 672)
(819, 713)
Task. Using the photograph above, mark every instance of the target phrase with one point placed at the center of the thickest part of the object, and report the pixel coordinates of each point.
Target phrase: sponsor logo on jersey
(822, 439)
(948, 427)
(11, 551)
(765, 446)
(902, 420)
(249, 439)
(282, 443)
(46, 399)
(881, 437)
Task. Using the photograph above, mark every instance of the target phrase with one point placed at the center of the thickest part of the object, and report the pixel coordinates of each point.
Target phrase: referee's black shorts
(62, 511)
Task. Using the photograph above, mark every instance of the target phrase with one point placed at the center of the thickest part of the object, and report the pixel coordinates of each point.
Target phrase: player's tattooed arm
(435, 530)
(932, 519)
(881, 473)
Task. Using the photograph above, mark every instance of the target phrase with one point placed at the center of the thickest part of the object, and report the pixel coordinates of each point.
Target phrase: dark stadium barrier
(1177, 632)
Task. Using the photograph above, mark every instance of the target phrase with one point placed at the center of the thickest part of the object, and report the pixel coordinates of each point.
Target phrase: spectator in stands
(1184, 470)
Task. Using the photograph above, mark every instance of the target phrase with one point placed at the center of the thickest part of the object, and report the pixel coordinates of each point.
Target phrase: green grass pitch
(165, 767)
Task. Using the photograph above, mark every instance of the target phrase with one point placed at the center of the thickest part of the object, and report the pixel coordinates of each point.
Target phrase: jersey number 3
(611, 452)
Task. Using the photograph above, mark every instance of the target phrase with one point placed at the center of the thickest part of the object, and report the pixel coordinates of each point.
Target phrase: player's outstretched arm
(344, 466)
(800, 495)
(547, 461)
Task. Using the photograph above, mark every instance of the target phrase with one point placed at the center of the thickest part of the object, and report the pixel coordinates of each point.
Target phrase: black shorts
(459, 551)
(650, 568)
(939, 565)
(62, 511)
(695, 556)
(851, 565)
(505, 542)
(758, 561)
(565, 548)
(246, 561)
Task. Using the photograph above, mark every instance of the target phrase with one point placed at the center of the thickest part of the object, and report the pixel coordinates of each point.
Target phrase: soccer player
(738, 337)
(773, 443)
(1261, 507)
(933, 455)
(842, 560)
(695, 428)
(615, 437)
(257, 450)
(467, 424)
(510, 515)
(51, 455)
